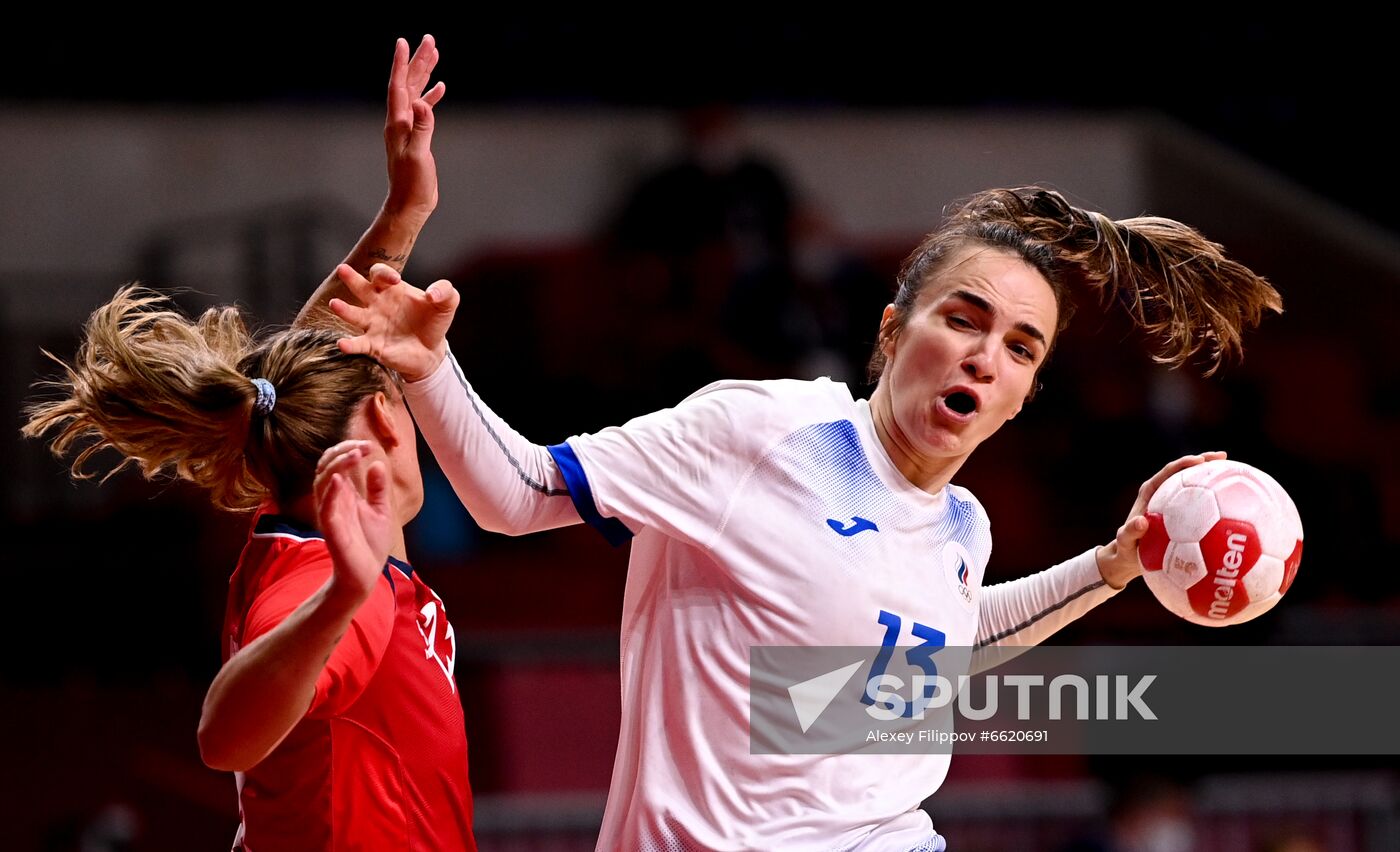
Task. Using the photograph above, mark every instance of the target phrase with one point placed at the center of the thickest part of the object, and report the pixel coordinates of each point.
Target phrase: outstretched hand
(408, 130)
(402, 327)
(353, 513)
(413, 185)
(1118, 560)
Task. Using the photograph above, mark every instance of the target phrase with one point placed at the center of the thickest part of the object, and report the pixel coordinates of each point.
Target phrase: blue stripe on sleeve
(579, 491)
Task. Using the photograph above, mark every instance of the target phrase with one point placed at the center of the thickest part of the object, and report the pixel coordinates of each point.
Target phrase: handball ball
(1223, 543)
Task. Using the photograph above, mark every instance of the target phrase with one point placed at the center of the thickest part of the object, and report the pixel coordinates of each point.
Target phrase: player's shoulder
(797, 398)
(969, 524)
(283, 534)
(279, 547)
(962, 497)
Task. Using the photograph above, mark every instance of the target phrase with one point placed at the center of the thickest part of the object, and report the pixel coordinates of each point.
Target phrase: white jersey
(764, 514)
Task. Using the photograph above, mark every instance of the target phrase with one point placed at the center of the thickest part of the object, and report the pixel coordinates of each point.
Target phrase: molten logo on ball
(1223, 543)
(1218, 602)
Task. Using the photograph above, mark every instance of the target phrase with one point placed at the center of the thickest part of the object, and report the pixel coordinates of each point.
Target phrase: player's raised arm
(1028, 610)
(413, 191)
(277, 673)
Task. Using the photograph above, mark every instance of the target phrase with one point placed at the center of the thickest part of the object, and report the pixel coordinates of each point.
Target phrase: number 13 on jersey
(881, 688)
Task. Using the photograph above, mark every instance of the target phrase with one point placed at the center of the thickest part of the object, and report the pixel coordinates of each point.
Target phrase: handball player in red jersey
(336, 705)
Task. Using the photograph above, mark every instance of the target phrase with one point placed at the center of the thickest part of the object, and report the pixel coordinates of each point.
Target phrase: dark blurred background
(632, 209)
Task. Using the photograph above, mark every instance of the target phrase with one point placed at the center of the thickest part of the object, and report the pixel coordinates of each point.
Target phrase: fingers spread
(1132, 532)
(1175, 467)
(336, 461)
(398, 97)
(382, 276)
(398, 69)
(420, 67)
(433, 95)
(340, 451)
(422, 126)
(329, 504)
(377, 486)
(443, 295)
(357, 346)
(353, 314)
(358, 285)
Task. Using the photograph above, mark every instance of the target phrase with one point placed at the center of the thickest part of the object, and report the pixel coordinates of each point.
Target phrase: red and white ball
(1223, 543)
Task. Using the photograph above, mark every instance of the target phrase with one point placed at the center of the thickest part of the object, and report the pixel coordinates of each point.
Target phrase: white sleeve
(508, 484)
(678, 469)
(1027, 611)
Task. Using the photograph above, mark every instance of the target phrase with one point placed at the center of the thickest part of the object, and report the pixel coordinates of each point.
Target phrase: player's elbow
(219, 751)
(214, 752)
(513, 530)
(494, 524)
(505, 523)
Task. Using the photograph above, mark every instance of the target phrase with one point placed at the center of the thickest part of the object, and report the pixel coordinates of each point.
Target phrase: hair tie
(267, 397)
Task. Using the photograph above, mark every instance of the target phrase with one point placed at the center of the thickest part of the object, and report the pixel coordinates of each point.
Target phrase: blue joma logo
(858, 525)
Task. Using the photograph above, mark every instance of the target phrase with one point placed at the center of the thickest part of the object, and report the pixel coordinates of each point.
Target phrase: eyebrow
(986, 307)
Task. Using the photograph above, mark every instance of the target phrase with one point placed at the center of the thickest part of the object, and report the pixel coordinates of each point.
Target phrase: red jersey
(380, 759)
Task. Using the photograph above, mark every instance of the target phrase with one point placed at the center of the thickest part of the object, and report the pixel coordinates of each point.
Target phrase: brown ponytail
(1193, 302)
(176, 397)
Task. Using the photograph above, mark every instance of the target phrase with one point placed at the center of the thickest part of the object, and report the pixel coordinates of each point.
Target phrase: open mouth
(960, 402)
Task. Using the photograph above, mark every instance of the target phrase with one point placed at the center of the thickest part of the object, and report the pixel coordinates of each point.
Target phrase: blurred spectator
(1148, 814)
(701, 245)
(726, 274)
(1292, 842)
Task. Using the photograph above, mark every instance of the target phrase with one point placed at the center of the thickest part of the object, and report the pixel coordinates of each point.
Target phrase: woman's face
(967, 357)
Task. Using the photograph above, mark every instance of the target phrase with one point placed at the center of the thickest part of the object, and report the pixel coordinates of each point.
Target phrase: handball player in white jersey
(790, 513)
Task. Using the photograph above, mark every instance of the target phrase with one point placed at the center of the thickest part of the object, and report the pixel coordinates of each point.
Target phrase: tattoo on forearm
(332, 650)
(379, 254)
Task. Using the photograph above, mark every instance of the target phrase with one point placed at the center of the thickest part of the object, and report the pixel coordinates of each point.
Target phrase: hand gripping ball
(1223, 543)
